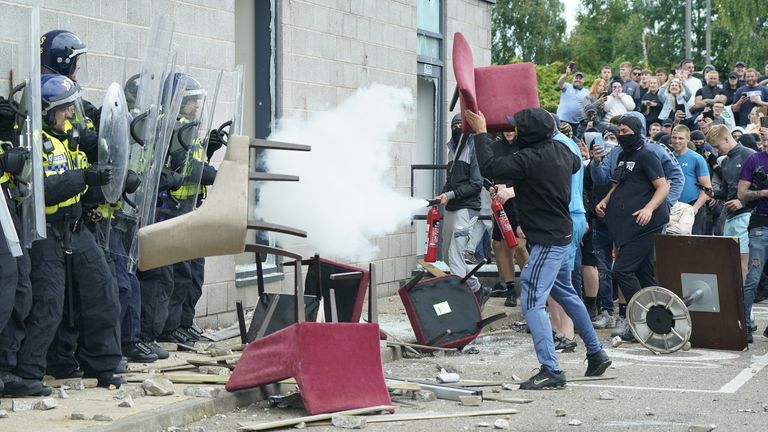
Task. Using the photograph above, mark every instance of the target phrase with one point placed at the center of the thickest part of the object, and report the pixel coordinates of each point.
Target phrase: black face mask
(630, 143)
(455, 135)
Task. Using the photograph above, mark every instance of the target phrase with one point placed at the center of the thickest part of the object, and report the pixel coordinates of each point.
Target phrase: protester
(542, 172)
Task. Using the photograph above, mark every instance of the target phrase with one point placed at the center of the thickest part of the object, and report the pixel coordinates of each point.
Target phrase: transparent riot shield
(26, 93)
(236, 128)
(144, 128)
(9, 228)
(114, 144)
(188, 152)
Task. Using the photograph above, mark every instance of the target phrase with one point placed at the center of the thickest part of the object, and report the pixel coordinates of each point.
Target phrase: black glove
(13, 159)
(209, 175)
(98, 175)
(169, 180)
(215, 141)
(7, 117)
(132, 182)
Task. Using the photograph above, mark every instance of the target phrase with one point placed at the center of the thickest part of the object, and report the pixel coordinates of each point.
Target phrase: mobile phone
(764, 122)
(572, 65)
(680, 107)
(709, 114)
(604, 94)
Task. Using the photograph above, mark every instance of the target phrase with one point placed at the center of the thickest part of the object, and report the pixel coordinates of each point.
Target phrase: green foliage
(531, 30)
(740, 33)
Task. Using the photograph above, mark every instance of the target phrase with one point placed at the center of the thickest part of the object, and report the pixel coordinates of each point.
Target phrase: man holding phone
(748, 97)
(570, 109)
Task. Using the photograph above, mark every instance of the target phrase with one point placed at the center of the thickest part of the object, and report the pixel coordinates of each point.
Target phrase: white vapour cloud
(345, 195)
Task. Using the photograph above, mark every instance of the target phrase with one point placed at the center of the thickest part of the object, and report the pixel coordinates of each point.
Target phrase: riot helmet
(193, 94)
(62, 52)
(62, 108)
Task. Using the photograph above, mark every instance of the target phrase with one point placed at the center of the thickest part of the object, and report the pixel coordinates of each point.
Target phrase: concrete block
(217, 298)
(114, 10)
(219, 269)
(100, 37)
(388, 270)
(401, 270)
(139, 13)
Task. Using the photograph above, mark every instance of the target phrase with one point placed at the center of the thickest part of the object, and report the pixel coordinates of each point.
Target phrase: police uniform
(15, 294)
(93, 342)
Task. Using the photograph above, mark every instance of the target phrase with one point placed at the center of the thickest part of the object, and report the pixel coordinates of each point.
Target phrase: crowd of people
(71, 305)
(657, 153)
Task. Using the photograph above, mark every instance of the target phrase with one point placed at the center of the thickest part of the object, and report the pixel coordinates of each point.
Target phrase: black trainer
(193, 333)
(765, 332)
(750, 339)
(544, 380)
(161, 353)
(482, 295)
(122, 367)
(139, 352)
(175, 336)
(511, 300)
(597, 363)
(60, 374)
(565, 345)
(499, 290)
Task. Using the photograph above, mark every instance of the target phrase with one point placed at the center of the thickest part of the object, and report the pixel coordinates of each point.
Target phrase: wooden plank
(434, 271)
(402, 385)
(507, 400)
(197, 379)
(431, 416)
(413, 345)
(310, 419)
(87, 382)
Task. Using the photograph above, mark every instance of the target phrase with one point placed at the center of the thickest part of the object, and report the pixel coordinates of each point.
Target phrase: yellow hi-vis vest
(188, 190)
(58, 161)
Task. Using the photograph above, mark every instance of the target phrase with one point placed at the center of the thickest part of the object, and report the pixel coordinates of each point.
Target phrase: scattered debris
(471, 400)
(575, 422)
(157, 386)
(23, 405)
(604, 395)
(217, 352)
(424, 396)
(3, 413)
(102, 417)
(348, 422)
(746, 410)
(501, 424)
(560, 413)
(214, 370)
(301, 425)
(75, 384)
(701, 428)
(203, 392)
(507, 400)
(483, 425)
(448, 377)
(77, 416)
(127, 402)
(472, 350)
(46, 404)
(129, 390)
(63, 393)
(511, 386)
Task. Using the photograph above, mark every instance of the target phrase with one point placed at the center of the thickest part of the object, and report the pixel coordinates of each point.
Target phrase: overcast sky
(571, 6)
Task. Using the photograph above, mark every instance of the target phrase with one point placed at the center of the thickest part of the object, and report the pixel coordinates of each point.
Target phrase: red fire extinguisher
(433, 233)
(500, 216)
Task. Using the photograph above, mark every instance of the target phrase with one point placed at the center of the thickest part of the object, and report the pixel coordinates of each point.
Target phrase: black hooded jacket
(541, 171)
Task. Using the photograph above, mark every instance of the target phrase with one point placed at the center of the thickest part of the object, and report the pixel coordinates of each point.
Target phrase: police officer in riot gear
(69, 260)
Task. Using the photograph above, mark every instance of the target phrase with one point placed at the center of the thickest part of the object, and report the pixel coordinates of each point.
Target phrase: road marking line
(645, 388)
(758, 363)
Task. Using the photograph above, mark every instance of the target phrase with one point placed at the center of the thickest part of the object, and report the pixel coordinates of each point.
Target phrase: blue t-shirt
(747, 106)
(571, 106)
(577, 180)
(694, 166)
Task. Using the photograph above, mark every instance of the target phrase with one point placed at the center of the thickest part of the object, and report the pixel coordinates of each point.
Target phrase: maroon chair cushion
(337, 366)
(497, 91)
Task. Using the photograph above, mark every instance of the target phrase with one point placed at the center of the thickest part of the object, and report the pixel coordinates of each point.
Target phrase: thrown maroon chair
(337, 366)
(497, 91)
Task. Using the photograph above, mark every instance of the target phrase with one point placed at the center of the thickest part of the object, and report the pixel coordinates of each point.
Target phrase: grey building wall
(329, 49)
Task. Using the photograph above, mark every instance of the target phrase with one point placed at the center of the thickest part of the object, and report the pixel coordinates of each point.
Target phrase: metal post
(688, 28)
(708, 8)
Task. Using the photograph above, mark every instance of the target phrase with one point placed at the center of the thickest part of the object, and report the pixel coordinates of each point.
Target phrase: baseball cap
(740, 63)
(733, 75)
(579, 73)
(709, 67)
(666, 123)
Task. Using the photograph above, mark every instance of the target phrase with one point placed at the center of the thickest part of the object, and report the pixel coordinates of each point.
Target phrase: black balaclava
(630, 143)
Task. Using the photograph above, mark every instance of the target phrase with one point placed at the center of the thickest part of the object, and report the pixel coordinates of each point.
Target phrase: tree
(531, 30)
(739, 32)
